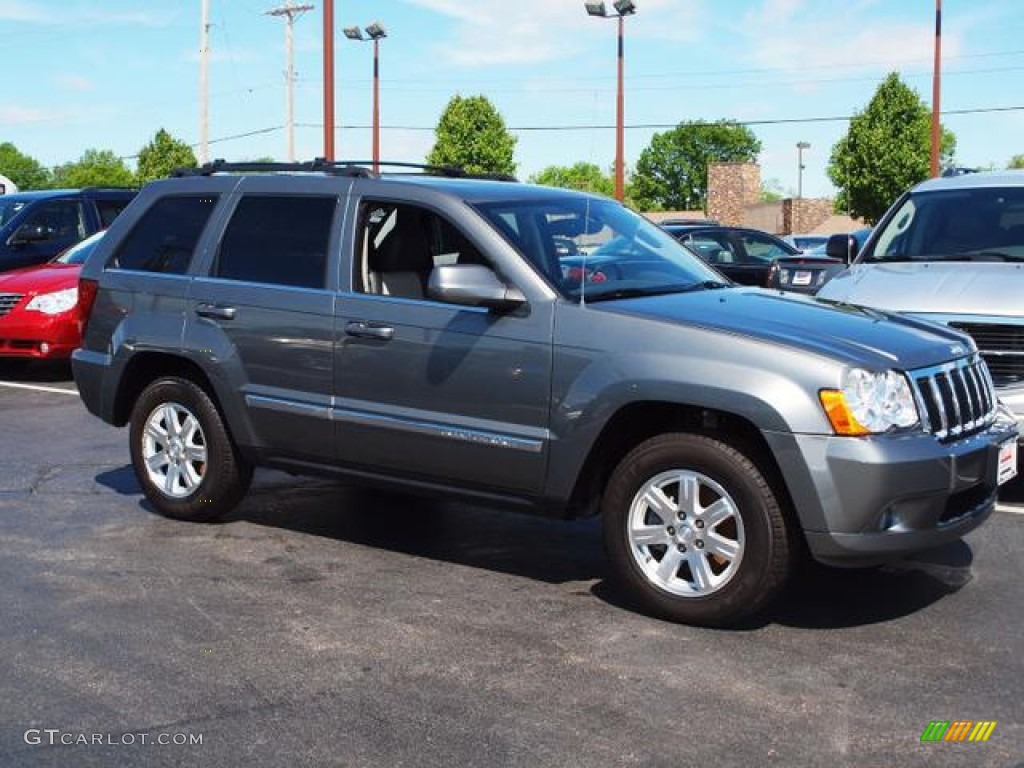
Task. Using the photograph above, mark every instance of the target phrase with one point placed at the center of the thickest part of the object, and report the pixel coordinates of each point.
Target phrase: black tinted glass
(280, 240)
(164, 239)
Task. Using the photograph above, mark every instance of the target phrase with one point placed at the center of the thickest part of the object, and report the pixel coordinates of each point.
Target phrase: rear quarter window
(165, 236)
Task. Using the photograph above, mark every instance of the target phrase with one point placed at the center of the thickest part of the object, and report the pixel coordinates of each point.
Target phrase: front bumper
(864, 501)
(27, 334)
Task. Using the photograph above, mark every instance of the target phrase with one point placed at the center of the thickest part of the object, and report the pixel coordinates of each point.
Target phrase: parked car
(952, 250)
(805, 243)
(743, 255)
(36, 226)
(39, 306)
(808, 272)
(419, 332)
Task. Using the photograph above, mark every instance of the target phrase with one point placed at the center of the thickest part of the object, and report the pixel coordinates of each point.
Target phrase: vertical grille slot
(956, 398)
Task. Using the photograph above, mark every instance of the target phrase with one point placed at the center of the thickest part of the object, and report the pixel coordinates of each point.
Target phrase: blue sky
(87, 74)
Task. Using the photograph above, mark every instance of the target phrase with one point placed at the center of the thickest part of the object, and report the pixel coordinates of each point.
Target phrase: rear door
(263, 307)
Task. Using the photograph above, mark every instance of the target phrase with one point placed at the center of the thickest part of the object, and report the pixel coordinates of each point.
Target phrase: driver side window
(57, 220)
(398, 244)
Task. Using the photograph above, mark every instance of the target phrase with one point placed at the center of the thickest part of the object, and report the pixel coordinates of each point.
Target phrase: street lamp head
(353, 33)
(596, 7)
(376, 31)
(803, 145)
(624, 7)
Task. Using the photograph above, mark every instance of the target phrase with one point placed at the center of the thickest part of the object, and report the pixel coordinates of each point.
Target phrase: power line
(656, 126)
(590, 127)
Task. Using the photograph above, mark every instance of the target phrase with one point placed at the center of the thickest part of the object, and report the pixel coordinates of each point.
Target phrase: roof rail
(319, 165)
(356, 168)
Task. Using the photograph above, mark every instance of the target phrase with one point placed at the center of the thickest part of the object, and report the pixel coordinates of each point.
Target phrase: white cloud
(73, 82)
(14, 10)
(14, 115)
(837, 40)
(535, 31)
(32, 13)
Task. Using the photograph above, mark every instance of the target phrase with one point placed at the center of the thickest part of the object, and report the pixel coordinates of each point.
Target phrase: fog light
(44, 348)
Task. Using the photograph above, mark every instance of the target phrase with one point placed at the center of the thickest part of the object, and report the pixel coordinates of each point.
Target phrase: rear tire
(694, 532)
(183, 456)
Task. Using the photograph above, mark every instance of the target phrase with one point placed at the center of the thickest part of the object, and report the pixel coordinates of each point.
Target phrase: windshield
(79, 252)
(593, 249)
(9, 209)
(982, 224)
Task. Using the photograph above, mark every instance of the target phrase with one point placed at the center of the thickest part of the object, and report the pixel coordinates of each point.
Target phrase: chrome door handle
(216, 312)
(367, 331)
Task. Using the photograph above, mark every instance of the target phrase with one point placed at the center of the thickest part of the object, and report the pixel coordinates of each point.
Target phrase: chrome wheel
(685, 533)
(174, 450)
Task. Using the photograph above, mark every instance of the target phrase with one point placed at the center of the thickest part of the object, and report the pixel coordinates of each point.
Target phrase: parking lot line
(38, 388)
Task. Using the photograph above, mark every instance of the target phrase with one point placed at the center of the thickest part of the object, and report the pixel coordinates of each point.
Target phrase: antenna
(290, 12)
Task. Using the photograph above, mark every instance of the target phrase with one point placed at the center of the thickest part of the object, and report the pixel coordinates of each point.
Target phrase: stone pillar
(732, 187)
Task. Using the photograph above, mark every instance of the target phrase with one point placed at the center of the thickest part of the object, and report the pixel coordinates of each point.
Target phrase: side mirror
(843, 247)
(472, 285)
(30, 234)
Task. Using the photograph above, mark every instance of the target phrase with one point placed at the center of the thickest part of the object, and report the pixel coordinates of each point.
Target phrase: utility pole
(290, 13)
(937, 91)
(204, 83)
(329, 80)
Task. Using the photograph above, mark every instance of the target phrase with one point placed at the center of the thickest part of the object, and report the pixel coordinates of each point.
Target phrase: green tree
(587, 177)
(95, 168)
(672, 172)
(471, 134)
(772, 191)
(24, 171)
(162, 155)
(1017, 161)
(886, 149)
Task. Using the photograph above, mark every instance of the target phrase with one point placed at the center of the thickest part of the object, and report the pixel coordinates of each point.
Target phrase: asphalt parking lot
(327, 625)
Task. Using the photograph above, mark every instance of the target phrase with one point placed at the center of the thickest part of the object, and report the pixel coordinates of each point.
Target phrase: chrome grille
(1002, 346)
(955, 399)
(8, 301)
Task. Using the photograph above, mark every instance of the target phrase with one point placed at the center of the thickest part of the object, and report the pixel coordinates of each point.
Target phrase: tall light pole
(290, 13)
(375, 33)
(328, 34)
(800, 147)
(937, 91)
(622, 8)
(204, 82)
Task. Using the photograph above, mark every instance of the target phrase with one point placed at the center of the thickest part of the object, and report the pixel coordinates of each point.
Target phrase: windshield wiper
(655, 290)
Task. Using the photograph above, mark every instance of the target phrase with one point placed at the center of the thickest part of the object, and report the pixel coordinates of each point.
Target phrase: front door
(429, 391)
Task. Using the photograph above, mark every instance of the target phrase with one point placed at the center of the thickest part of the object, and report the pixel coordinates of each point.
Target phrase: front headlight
(54, 303)
(869, 403)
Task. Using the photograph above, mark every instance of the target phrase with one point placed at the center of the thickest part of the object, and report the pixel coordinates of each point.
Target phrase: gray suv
(430, 333)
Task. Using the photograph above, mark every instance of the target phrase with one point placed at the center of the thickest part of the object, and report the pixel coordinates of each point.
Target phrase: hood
(852, 335)
(45, 278)
(941, 287)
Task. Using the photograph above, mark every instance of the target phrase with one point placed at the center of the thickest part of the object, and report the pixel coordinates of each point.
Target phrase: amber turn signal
(839, 413)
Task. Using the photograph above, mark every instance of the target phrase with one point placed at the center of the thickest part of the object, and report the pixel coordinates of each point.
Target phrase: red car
(38, 306)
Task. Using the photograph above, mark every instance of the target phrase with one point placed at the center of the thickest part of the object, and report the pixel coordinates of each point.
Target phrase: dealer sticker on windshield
(1007, 469)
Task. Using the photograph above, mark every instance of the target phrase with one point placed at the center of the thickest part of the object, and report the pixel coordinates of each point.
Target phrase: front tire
(183, 456)
(694, 532)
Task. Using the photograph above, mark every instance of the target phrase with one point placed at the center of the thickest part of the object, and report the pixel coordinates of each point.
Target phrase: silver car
(952, 250)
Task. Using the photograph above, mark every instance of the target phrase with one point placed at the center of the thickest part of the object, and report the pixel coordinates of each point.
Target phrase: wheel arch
(638, 421)
(146, 367)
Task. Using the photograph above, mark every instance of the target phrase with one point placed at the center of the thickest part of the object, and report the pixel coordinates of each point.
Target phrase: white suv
(952, 250)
